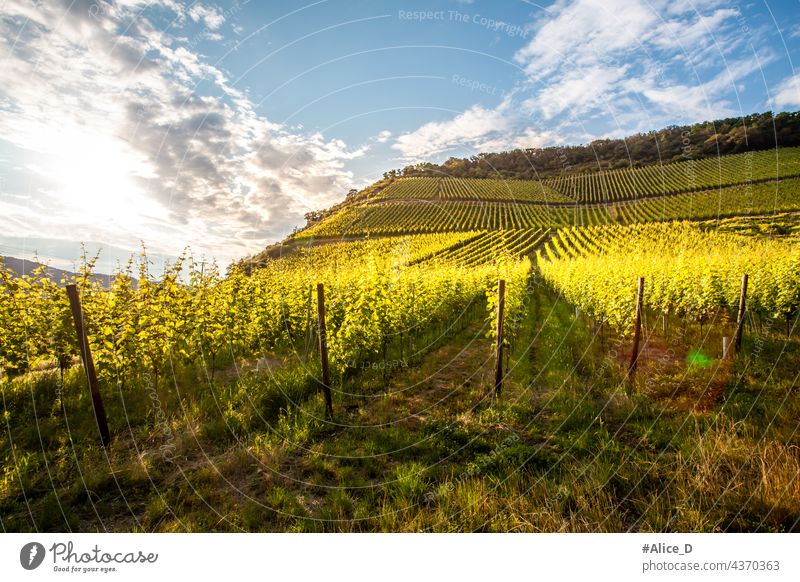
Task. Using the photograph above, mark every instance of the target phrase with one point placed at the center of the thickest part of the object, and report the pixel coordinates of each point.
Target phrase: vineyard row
(397, 218)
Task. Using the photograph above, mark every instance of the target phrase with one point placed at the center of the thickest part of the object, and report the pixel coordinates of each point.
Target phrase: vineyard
(400, 285)
(755, 199)
(397, 218)
(454, 189)
(489, 245)
(441, 355)
(746, 169)
(687, 176)
(410, 188)
(424, 216)
(688, 272)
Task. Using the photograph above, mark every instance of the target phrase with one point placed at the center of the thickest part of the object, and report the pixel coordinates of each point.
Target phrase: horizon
(219, 125)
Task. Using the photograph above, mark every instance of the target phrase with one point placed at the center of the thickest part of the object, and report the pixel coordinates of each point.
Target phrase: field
(685, 176)
(214, 389)
(407, 215)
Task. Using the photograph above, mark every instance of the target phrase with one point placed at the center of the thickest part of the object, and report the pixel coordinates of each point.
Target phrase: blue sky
(218, 125)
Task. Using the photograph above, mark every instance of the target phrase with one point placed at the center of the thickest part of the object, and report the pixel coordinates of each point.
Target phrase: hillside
(746, 184)
(20, 267)
(709, 139)
(649, 152)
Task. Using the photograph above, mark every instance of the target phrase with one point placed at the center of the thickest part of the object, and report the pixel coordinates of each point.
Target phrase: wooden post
(637, 329)
(323, 350)
(309, 332)
(88, 364)
(737, 343)
(413, 324)
(501, 304)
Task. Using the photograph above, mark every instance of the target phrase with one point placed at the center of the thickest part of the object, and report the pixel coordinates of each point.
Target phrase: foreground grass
(569, 446)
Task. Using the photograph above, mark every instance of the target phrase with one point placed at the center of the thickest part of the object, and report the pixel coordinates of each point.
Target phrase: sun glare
(96, 176)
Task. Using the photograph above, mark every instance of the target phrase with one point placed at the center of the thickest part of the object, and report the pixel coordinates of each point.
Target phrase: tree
(313, 216)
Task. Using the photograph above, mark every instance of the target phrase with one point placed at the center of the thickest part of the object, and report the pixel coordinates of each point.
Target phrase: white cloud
(211, 16)
(697, 102)
(582, 32)
(128, 147)
(637, 63)
(470, 128)
(383, 136)
(477, 129)
(529, 138)
(787, 94)
(588, 54)
(578, 90)
(693, 31)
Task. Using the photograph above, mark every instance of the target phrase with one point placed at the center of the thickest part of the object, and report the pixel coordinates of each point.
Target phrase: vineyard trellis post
(501, 303)
(309, 339)
(323, 350)
(737, 342)
(411, 327)
(88, 364)
(637, 329)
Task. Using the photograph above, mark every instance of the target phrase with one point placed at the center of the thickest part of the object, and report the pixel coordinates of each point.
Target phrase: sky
(217, 126)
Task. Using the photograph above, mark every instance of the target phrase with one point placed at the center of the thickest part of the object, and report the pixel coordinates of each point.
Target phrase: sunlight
(96, 177)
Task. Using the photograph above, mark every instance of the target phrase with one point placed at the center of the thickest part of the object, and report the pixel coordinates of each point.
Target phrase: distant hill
(673, 144)
(759, 131)
(751, 184)
(22, 267)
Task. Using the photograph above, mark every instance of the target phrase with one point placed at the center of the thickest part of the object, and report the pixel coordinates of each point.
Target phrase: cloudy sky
(218, 125)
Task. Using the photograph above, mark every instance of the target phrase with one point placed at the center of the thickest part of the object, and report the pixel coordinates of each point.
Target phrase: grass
(570, 446)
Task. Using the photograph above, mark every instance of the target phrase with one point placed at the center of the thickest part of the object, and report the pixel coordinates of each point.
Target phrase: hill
(20, 267)
(674, 160)
(756, 132)
(745, 184)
